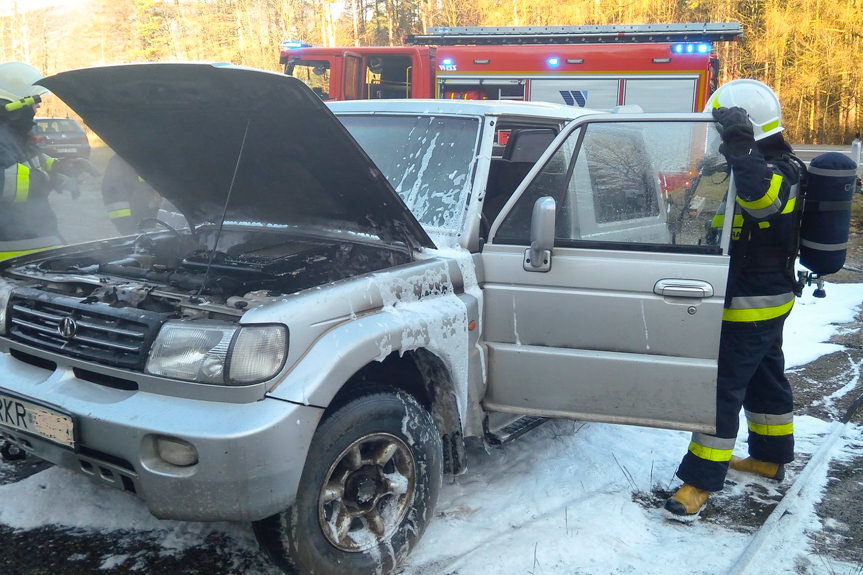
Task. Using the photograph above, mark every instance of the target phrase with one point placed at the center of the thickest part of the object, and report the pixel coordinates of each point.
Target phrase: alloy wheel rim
(367, 492)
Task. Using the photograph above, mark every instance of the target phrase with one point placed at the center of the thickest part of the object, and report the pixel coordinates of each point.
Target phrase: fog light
(176, 451)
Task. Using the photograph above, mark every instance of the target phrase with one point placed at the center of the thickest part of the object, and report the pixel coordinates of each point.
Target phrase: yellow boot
(686, 503)
(763, 468)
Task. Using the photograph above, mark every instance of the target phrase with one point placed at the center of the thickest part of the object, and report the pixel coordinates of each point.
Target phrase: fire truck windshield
(314, 73)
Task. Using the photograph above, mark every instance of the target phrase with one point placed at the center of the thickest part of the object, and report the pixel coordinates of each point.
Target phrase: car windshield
(427, 159)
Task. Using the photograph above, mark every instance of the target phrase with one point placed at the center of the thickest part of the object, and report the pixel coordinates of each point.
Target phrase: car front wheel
(367, 491)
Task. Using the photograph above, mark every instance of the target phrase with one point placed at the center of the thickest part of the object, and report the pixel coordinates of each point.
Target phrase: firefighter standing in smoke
(128, 198)
(760, 293)
(27, 222)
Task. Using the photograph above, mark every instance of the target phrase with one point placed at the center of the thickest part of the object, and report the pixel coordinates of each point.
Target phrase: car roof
(462, 107)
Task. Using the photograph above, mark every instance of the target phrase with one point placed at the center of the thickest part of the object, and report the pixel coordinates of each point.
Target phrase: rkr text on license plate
(23, 415)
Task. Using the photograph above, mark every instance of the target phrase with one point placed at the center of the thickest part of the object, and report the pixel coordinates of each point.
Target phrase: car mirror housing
(537, 258)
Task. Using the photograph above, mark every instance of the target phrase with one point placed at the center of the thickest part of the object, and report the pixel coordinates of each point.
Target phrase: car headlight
(5, 293)
(219, 353)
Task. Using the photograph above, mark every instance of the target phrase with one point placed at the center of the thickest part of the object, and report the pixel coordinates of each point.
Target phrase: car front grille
(119, 337)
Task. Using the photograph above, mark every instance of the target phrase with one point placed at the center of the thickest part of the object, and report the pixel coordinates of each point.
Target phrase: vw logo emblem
(67, 327)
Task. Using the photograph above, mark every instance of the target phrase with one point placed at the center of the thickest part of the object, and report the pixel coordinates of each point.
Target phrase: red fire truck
(659, 67)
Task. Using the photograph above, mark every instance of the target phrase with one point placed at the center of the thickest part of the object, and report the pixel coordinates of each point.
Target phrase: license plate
(38, 420)
(66, 150)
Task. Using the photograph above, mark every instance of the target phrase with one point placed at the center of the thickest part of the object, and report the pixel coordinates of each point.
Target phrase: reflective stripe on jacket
(763, 237)
(16, 183)
(15, 248)
(119, 210)
(27, 220)
(758, 308)
(768, 204)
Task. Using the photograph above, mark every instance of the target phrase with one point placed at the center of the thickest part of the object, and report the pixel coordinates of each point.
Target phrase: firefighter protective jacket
(764, 238)
(27, 222)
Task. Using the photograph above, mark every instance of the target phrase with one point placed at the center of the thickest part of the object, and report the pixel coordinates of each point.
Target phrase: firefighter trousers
(751, 375)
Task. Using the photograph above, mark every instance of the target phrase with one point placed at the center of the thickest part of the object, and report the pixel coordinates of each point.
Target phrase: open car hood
(197, 132)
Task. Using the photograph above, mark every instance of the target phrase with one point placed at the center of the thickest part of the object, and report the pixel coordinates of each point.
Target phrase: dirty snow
(560, 500)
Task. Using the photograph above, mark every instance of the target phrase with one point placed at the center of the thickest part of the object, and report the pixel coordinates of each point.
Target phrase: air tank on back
(827, 213)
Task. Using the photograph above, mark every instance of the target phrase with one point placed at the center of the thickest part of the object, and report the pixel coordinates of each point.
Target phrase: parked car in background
(61, 138)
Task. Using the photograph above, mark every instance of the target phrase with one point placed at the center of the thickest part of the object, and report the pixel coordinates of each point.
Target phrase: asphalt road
(807, 152)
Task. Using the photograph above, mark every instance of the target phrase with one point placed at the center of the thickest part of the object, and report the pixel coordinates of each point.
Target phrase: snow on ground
(813, 321)
(560, 500)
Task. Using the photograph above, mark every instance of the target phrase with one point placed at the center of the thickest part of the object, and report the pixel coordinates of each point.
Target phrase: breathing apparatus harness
(821, 222)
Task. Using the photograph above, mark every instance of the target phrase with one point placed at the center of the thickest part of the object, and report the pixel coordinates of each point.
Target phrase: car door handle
(683, 288)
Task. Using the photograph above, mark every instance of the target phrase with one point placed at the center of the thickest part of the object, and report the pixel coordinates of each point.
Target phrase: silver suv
(363, 287)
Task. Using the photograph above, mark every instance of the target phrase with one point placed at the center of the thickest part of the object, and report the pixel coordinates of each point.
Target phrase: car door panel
(599, 350)
(672, 403)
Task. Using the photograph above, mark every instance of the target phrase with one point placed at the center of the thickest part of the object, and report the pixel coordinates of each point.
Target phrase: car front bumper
(249, 456)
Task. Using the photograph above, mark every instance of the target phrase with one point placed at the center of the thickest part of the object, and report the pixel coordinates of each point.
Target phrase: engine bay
(209, 274)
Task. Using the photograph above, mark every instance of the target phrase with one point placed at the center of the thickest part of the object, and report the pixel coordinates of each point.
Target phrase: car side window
(631, 185)
(620, 179)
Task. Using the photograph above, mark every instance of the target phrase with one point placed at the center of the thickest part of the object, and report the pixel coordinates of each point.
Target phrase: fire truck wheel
(368, 488)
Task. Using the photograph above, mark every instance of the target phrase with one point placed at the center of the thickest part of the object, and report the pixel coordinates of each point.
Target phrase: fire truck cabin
(362, 73)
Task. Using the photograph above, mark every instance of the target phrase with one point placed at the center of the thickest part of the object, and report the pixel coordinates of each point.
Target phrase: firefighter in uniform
(760, 294)
(27, 222)
(128, 198)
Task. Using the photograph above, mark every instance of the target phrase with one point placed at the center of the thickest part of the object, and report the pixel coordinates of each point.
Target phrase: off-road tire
(381, 457)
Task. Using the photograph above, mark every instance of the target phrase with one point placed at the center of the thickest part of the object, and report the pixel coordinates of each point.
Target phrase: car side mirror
(537, 258)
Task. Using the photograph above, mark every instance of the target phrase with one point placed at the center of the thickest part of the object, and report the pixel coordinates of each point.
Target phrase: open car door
(605, 275)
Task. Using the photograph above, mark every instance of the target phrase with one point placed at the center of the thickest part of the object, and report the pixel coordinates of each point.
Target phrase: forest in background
(807, 50)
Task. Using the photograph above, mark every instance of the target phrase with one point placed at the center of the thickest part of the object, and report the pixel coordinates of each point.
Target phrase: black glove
(735, 129)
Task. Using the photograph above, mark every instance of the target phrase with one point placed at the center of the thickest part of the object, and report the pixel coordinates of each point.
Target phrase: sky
(564, 499)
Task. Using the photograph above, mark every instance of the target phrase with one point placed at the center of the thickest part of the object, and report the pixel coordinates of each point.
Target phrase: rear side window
(622, 180)
(57, 125)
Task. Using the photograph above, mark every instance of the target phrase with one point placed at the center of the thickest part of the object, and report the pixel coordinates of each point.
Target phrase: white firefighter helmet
(757, 99)
(16, 81)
